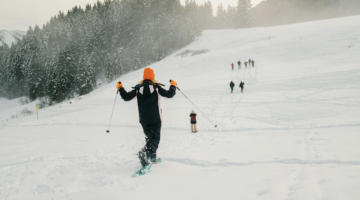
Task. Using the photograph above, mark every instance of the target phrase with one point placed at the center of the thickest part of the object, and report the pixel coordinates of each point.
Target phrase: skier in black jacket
(232, 85)
(242, 86)
(148, 93)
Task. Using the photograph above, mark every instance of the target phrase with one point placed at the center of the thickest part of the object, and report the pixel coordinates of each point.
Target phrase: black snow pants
(152, 138)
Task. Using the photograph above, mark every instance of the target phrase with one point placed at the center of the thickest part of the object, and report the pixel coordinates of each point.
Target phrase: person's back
(193, 121)
(232, 86)
(148, 94)
(242, 86)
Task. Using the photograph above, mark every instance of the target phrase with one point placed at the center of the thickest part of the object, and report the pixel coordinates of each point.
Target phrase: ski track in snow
(293, 134)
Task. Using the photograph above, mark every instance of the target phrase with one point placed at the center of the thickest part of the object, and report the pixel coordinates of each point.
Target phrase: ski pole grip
(176, 86)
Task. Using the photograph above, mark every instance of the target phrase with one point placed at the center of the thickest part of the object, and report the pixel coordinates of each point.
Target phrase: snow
(9, 37)
(293, 133)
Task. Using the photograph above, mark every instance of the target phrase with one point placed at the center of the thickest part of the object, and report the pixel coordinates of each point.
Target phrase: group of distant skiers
(251, 62)
(232, 85)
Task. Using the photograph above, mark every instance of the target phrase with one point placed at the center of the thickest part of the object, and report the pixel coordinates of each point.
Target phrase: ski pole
(108, 131)
(196, 107)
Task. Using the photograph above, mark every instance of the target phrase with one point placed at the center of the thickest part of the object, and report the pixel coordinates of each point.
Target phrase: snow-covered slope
(9, 37)
(292, 134)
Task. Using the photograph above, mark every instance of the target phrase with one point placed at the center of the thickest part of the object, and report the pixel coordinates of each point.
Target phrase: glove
(173, 83)
(119, 85)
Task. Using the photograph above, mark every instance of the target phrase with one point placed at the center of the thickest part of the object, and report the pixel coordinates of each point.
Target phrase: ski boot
(155, 160)
(152, 155)
(143, 157)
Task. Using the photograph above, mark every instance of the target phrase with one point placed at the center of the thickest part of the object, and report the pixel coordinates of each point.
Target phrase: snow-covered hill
(292, 134)
(9, 37)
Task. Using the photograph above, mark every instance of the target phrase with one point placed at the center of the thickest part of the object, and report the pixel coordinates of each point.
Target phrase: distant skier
(232, 66)
(242, 86)
(193, 122)
(253, 63)
(239, 64)
(245, 64)
(249, 62)
(148, 93)
(232, 85)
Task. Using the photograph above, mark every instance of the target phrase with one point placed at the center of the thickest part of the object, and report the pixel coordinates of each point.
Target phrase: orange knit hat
(149, 74)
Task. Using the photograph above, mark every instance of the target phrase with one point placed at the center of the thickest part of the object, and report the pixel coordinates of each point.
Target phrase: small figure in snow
(232, 66)
(232, 85)
(242, 86)
(193, 122)
(253, 63)
(249, 62)
(245, 64)
(148, 93)
(239, 64)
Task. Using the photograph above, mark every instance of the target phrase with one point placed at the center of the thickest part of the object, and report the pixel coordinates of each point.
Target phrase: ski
(146, 169)
(142, 171)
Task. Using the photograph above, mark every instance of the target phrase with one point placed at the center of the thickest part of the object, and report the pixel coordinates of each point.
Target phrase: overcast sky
(20, 14)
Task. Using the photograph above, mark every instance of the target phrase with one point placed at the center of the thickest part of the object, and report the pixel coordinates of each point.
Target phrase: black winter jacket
(242, 84)
(232, 84)
(148, 98)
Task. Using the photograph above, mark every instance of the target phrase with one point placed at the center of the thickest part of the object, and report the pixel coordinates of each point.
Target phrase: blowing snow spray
(196, 107)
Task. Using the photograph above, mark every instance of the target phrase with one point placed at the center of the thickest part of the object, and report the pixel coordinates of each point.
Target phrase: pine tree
(109, 68)
(137, 64)
(65, 77)
(115, 67)
(243, 14)
(206, 15)
(4, 72)
(231, 17)
(51, 73)
(220, 19)
(118, 63)
(35, 78)
(17, 76)
(86, 77)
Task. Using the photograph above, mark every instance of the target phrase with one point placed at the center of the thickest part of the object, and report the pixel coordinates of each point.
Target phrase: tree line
(74, 52)
(278, 12)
